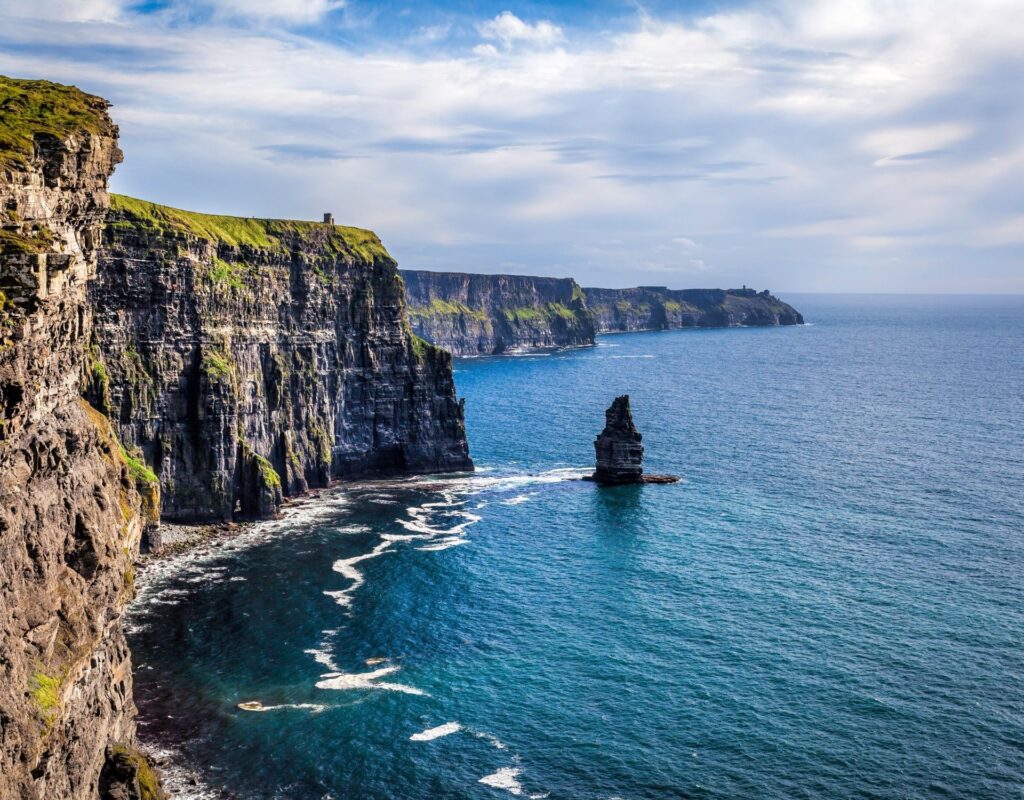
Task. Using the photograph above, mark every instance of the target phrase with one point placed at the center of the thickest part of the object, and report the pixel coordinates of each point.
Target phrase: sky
(844, 146)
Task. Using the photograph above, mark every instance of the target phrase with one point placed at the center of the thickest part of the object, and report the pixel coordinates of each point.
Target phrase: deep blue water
(830, 606)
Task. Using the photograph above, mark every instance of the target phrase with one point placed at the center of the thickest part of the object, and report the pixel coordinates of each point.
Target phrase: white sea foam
(494, 741)
(443, 544)
(515, 501)
(322, 657)
(346, 567)
(436, 733)
(352, 529)
(344, 681)
(506, 778)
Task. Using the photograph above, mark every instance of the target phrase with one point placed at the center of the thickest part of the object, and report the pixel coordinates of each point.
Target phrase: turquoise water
(831, 604)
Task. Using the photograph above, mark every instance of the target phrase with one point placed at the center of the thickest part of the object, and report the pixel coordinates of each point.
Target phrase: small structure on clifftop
(620, 454)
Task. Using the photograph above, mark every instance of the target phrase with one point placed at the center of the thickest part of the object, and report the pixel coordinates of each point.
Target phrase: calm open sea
(830, 606)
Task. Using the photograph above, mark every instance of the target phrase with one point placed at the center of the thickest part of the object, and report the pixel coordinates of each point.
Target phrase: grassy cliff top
(262, 234)
(32, 108)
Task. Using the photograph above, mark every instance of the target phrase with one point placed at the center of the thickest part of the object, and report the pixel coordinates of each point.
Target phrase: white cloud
(63, 10)
(755, 131)
(508, 30)
(295, 11)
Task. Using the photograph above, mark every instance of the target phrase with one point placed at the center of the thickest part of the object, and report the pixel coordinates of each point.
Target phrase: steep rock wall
(70, 518)
(489, 314)
(647, 308)
(250, 359)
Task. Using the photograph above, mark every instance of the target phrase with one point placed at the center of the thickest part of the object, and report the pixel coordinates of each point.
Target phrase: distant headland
(470, 314)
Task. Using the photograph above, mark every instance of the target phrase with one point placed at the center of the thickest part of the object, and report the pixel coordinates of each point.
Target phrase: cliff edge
(251, 359)
(470, 315)
(71, 514)
(654, 308)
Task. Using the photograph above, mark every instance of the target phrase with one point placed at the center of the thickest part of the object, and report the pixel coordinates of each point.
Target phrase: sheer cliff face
(489, 314)
(472, 315)
(648, 308)
(250, 359)
(69, 511)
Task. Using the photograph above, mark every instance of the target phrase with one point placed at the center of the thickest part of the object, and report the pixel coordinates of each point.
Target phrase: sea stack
(620, 454)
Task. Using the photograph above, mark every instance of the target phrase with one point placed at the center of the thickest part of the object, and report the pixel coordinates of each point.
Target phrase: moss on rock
(29, 109)
(259, 234)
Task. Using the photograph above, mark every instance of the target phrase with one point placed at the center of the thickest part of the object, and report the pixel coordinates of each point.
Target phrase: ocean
(829, 605)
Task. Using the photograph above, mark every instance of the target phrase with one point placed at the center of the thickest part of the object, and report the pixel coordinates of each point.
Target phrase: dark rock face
(620, 454)
(250, 359)
(471, 315)
(652, 308)
(70, 513)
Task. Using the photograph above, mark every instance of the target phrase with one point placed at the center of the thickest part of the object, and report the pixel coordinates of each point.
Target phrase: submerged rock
(619, 449)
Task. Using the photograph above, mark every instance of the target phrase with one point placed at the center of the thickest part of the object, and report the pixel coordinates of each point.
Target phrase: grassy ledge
(260, 234)
(36, 108)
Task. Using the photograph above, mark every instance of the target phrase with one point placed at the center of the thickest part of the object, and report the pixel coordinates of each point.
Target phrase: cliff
(489, 314)
(648, 308)
(469, 314)
(70, 513)
(250, 359)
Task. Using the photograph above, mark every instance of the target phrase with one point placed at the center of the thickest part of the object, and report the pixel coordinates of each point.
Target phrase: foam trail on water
(315, 708)
(347, 568)
(443, 544)
(343, 681)
(323, 658)
(494, 740)
(436, 733)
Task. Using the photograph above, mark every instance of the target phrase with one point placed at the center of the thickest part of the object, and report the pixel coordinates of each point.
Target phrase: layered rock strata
(71, 515)
(653, 308)
(472, 315)
(619, 449)
(251, 359)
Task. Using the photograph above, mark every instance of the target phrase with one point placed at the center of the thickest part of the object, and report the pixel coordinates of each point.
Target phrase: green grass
(149, 784)
(673, 306)
(227, 273)
(420, 347)
(268, 474)
(137, 468)
(217, 366)
(45, 692)
(560, 310)
(260, 234)
(34, 108)
(37, 240)
(537, 313)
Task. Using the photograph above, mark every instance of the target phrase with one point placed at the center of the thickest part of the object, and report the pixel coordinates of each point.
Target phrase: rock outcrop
(619, 449)
(71, 515)
(472, 315)
(655, 308)
(252, 359)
